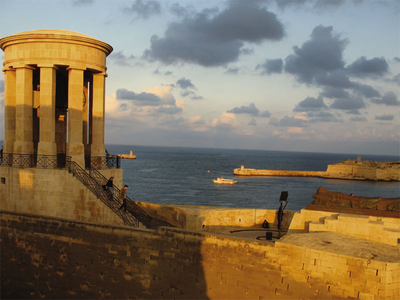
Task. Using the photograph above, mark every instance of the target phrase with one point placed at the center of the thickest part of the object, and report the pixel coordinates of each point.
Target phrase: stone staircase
(378, 229)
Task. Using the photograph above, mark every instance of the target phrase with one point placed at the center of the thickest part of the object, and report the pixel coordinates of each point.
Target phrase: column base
(8, 146)
(46, 148)
(21, 147)
(97, 150)
(77, 153)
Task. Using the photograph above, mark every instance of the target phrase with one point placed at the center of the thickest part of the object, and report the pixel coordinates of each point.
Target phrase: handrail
(132, 207)
(18, 160)
(102, 162)
(94, 181)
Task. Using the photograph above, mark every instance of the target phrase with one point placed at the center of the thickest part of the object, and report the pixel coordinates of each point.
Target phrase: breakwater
(348, 169)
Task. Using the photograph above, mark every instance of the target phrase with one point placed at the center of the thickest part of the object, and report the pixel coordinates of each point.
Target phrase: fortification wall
(384, 230)
(56, 258)
(54, 193)
(204, 218)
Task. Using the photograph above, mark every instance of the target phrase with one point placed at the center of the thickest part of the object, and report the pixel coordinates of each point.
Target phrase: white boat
(221, 180)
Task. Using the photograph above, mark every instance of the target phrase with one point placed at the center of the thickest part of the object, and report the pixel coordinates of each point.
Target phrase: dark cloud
(321, 116)
(271, 66)
(333, 92)
(348, 103)
(389, 99)
(181, 11)
(311, 104)
(385, 117)
(251, 110)
(358, 119)
(353, 112)
(232, 71)
(120, 59)
(288, 122)
(215, 39)
(265, 114)
(170, 110)
(142, 99)
(363, 67)
(366, 90)
(317, 57)
(184, 83)
(144, 9)
(396, 59)
(253, 122)
(1, 86)
(396, 79)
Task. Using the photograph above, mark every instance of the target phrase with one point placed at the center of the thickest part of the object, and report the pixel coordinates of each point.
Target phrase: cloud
(385, 117)
(358, 119)
(1, 86)
(120, 59)
(311, 104)
(184, 83)
(288, 122)
(142, 99)
(321, 116)
(270, 66)
(144, 9)
(232, 71)
(251, 110)
(389, 99)
(253, 122)
(211, 38)
(317, 57)
(373, 68)
(348, 103)
(265, 114)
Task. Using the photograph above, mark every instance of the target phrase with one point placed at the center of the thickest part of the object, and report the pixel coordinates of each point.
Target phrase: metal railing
(59, 161)
(132, 207)
(102, 162)
(95, 181)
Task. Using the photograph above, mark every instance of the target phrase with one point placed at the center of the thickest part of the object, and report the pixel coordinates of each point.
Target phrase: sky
(290, 75)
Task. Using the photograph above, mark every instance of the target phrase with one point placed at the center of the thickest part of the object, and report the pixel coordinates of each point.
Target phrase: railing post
(118, 162)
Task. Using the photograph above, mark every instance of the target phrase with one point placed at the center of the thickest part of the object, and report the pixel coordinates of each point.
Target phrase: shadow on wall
(54, 258)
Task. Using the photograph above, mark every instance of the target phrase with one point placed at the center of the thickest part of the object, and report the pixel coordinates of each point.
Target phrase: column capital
(6, 69)
(76, 68)
(23, 66)
(47, 66)
(100, 74)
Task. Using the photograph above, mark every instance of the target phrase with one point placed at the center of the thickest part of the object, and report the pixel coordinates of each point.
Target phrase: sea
(174, 175)
(177, 175)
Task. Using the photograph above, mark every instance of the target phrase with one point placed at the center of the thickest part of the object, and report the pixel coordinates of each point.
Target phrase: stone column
(47, 135)
(9, 112)
(75, 147)
(98, 108)
(24, 97)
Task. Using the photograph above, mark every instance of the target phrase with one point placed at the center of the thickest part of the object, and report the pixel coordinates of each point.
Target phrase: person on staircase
(110, 188)
(123, 197)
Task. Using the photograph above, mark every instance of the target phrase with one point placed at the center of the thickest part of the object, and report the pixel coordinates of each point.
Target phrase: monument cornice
(55, 36)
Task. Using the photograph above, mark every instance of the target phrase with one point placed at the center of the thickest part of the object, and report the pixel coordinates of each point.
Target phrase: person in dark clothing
(123, 197)
(110, 187)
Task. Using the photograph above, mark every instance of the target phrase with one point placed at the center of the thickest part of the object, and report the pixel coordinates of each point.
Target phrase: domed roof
(54, 34)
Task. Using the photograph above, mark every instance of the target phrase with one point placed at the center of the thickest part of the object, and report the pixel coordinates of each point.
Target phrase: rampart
(54, 193)
(348, 169)
(44, 257)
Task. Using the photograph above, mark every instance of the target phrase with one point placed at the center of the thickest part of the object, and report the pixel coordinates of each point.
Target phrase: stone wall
(203, 218)
(56, 258)
(384, 230)
(54, 193)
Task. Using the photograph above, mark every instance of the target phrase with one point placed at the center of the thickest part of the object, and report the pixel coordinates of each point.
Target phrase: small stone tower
(54, 94)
